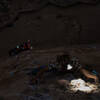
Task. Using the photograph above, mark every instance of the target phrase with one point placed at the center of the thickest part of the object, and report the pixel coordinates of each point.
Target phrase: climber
(65, 65)
(19, 48)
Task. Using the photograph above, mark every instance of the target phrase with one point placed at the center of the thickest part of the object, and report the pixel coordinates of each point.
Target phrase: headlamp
(69, 67)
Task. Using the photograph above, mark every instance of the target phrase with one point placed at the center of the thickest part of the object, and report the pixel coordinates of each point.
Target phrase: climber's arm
(89, 75)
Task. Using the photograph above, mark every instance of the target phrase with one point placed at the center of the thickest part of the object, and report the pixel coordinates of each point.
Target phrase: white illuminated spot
(69, 67)
(81, 85)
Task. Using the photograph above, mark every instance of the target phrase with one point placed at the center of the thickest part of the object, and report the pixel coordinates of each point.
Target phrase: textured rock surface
(16, 86)
(23, 21)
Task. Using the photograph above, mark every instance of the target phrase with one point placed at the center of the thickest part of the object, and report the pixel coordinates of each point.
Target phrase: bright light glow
(81, 85)
(69, 67)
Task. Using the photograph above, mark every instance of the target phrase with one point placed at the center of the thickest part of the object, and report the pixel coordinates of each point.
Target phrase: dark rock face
(89, 1)
(63, 3)
(48, 25)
